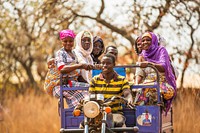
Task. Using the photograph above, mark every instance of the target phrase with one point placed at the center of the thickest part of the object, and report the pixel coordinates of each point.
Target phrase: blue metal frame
(68, 121)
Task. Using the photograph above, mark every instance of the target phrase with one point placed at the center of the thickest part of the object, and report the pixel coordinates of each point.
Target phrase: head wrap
(147, 34)
(136, 47)
(78, 44)
(159, 55)
(83, 55)
(86, 34)
(66, 33)
(98, 39)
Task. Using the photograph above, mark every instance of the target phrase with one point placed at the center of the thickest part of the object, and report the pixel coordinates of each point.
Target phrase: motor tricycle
(147, 118)
(96, 109)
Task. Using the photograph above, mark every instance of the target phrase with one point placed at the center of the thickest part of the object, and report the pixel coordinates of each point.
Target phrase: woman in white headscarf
(83, 50)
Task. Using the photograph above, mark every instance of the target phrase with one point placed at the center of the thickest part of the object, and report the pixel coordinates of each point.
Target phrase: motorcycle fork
(103, 126)
(86, 129)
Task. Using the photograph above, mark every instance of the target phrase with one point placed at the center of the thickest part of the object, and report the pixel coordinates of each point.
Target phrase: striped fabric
(115, 87)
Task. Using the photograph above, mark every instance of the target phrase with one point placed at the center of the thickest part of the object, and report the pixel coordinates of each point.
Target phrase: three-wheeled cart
(158, 122)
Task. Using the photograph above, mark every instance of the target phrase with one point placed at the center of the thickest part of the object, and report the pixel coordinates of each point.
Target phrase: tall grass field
(39, 114)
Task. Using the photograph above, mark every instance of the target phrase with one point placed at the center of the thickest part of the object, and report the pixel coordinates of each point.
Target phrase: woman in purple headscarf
(157, 56)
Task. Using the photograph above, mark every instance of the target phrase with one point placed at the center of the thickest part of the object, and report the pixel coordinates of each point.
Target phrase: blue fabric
(121, 71)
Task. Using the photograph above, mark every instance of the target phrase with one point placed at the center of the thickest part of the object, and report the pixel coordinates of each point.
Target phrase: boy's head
(112, 50)
(108, 63)
(51, 63)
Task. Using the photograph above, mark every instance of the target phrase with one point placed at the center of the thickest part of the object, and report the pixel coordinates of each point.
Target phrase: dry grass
(32, 114)
(186, 111)
(38, 114)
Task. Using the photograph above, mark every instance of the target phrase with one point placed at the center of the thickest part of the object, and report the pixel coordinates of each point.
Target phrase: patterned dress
(73, 97)
(148, 96)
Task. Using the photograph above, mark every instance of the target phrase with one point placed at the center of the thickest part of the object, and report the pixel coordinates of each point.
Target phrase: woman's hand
(90, 67)
(87, 66)
(143, 64)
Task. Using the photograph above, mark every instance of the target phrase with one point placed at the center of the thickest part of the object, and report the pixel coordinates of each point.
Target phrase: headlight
(91, 109)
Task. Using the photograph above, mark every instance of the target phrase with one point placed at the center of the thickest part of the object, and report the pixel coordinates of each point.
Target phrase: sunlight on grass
(32, 114)
(39, 114)
(186, 111)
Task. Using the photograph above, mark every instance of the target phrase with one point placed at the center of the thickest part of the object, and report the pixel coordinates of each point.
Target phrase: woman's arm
(158, 66)
(138, 79)
(69, 68)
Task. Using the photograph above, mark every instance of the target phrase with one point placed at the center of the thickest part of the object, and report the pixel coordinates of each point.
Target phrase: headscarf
(159, 55)
(98, 39)
(82, 55)
(136, 47)
(66, 33)
(79, 47)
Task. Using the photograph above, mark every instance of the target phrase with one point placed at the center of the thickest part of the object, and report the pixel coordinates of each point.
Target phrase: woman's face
(86, 42)
(97, 48)
(139, 44)
(68, 43)
(146, 42)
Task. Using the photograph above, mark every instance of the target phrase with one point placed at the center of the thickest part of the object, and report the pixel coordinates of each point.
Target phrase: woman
(98, 49)
(83, 49)
(138, 45)
(157, 56)
(67, 64)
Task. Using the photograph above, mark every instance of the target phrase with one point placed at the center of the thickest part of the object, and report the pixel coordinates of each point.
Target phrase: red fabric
(70, 83)
(61, 67)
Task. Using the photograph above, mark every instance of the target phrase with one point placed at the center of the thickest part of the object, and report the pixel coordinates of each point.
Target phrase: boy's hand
(98, 66)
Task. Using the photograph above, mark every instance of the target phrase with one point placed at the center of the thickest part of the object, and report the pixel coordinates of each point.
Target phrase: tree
(146, 16)
(29, 31)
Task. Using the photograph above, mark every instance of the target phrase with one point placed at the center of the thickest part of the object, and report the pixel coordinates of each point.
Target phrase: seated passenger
(98, 49)
(52, 78)
(161, 42)
(138, 45)
(114, 51)
(109, 83)
(83, 49)
(157, 56)
(67, 64)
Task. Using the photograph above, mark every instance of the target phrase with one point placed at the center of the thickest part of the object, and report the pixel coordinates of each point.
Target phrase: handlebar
(123, 100)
